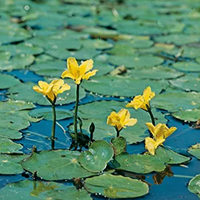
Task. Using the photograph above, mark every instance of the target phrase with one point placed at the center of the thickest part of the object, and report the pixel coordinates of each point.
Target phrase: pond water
(134, 44)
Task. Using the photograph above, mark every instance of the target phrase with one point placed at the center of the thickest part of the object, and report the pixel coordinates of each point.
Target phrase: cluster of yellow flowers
(74, 71)
(121, 119)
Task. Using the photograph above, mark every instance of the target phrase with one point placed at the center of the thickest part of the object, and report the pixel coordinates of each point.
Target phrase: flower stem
(75, 113)
(118, 131)
(151, 114)
(53, 126)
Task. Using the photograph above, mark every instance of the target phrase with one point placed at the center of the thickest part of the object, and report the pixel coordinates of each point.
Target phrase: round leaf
(56, 165)
(97, 157)
(116, 186)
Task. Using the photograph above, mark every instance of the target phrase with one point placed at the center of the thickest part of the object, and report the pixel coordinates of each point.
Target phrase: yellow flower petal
(150, 145)
(43, 85)
(86, 66)
(51, 96)
(160, 131)
(142, 101)
(37, 89)
(72, 66)
(67, 74)
(121, 119)
(63, 88)
(147, 94)
(89, 74)
(170, 131)
(78, 73)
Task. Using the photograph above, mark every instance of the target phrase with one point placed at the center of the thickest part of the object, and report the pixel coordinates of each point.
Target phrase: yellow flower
(51, 90)
(121, 119)
(160, 132)
(78, 73)
(151, 144)
(142, 101)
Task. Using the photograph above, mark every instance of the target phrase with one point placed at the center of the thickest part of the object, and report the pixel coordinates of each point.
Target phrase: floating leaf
(116, 186)
(31, 190)
(195, 150)
(22, 48)
(56, 165)
(155, 73)
(193, 185)
(49, 68)
(9, 164)
(175, 101)
(46, 113)
(8, 146)
(119, 145)
(122, 86)
(190, 115)
(10, 133)
(187, 66)
(170, 157)
(19, 61)
(97, 157)
(7, 81)
(187, 83)
(142, 164)
(136, 61)
(178, 39)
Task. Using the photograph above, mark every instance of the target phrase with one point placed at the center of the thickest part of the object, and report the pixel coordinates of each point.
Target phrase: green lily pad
(157, 73)
(158, 48)
(193, 185)
(175, 101)
(116, 186)
(56, 42)
(15, 105)
(136, 61)
(19, 61)
(97, 44)
(22, 48)
(31, 190)
(12, 33)
(102, 33)
(10, 133)
(191, 52)
(190, 115)
(170, 157)
(56, 165)
(122, 48)
(195, 150)
(119, 145)
(133, 134)
(178, 39)
(122, 86)
(49, 68)
(25, 92)
(142, 164)
(82, 54)
(7, 81)
(13, 117)
(46, 113)
(8, 146)
(187, 83)
(97, 157)
(103, 68)
(9, 164)
(187, 66)
(16, 122)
